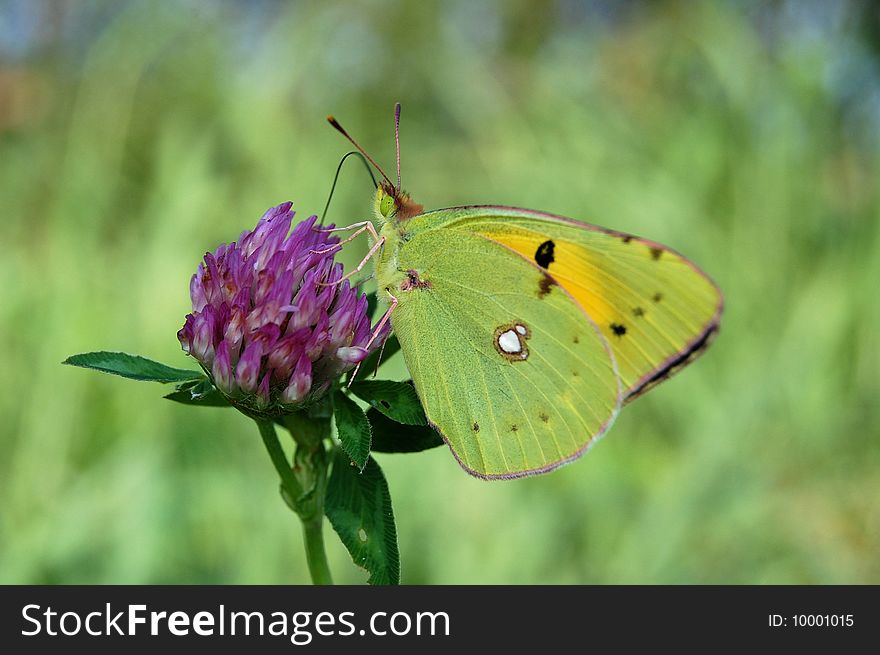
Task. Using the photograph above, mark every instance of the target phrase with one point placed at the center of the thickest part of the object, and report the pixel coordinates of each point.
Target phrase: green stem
(303, 488)
(313, 535)
(279, 459)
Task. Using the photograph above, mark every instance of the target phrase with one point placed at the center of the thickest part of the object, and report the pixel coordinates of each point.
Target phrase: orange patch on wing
(568, 268)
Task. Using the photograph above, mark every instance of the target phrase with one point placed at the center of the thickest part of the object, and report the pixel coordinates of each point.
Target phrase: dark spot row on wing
(618, 329)
(544, 254)
(545, 418)
(656, 253)
(657, 297)
(638, 311)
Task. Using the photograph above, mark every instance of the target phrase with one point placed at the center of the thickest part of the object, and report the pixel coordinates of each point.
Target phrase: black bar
(510, 618)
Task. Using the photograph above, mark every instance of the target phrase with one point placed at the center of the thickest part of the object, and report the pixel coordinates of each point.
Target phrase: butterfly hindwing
(656, 309)
(509, 368)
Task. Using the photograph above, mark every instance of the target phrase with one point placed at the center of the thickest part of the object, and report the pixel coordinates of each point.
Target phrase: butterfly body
(522, 347)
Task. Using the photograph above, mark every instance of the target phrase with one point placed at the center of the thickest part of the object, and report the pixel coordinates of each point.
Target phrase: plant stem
(303, 488)
(279, 459)
(316, 557)
(310, 468)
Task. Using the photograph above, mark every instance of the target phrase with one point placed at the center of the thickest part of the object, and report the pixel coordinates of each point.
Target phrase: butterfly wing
(656, 309)
(517, 382)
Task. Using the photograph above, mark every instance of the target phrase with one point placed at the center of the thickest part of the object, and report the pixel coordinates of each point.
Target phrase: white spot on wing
(509, 342)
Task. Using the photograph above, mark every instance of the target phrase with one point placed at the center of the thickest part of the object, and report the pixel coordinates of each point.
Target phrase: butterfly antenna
(336, 177)
(397, 139)
(342, 131)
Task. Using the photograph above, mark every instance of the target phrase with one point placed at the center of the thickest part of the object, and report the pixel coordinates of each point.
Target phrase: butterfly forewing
(656, 309)
(509, 367)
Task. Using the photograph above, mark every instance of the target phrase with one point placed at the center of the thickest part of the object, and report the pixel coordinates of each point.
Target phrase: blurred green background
(134, 136)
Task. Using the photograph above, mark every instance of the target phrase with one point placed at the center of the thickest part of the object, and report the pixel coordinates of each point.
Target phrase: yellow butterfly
(526, 332)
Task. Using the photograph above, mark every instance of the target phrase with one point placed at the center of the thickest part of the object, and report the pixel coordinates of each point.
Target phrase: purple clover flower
(270, 324)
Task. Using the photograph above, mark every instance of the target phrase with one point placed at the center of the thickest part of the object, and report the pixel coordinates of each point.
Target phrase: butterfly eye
(386, 205)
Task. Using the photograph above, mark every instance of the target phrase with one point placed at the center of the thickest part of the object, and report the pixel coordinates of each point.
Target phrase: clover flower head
(271, 324)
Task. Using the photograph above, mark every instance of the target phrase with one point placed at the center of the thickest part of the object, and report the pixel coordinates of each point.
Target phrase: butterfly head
(392, 204)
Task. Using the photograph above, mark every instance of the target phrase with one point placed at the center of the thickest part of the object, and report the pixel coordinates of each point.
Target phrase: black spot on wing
(657, 297)
(656, 253)
(638, 311)
(543, 417)
(627, 238)
(618, 329)
(544, 254)
(514, 428)
(476, 427)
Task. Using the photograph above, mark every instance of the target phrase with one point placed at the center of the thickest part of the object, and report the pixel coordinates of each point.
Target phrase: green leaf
(372, 302)
(133, 367)
(359, 509)
(371, 363)
(353, 429)
(392, 437)
(200, 392)
(396, 400)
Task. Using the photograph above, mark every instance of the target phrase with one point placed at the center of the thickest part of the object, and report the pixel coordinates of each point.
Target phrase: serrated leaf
(393, 437)
(396, 400)
(370, 364)
(352, 428)
(358, 506)
(201, 393)
(133, 367)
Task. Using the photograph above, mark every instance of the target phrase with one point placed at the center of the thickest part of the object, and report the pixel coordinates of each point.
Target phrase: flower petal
(247, 372)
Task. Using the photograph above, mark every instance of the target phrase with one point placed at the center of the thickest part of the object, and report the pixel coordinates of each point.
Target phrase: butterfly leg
(382, 321)
(379, 243)
(363, 226)
(344, 228)
(373, 337)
